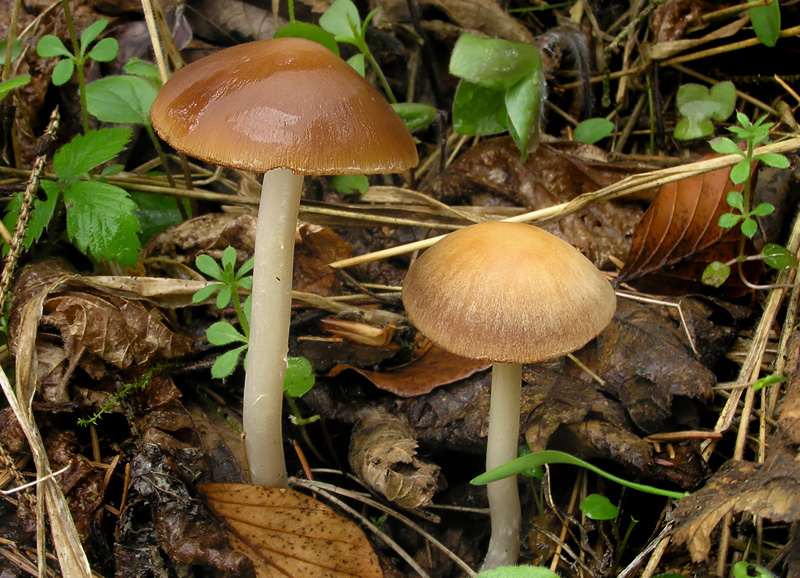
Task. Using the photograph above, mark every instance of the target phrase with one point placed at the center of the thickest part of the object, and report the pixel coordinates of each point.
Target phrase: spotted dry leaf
(288, 534)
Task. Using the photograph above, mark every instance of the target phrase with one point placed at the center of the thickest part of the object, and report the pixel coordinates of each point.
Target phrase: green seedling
(775, 256)
(524, 463)
(518, 572)
(105, 50)
(501, 88)
(592, 130)
(699, 106)
(100, 216)
(768, 380)
(599, 508)
(139, 384)
(766, 21)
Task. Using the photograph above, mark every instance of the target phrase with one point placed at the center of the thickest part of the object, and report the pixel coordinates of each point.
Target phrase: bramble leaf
(41, 214)
(85, 152)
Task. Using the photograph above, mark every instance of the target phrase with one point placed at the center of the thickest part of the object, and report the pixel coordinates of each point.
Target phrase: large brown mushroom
(287, 107)
(512, 294)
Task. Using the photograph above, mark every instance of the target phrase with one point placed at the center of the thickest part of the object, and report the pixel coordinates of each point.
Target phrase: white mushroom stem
(502, 445)
(269, 326)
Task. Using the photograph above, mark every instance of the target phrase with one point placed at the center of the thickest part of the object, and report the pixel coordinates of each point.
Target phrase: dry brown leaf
(315, 247)
(288, 534)
(680, 226)
(435, 368)
(383, 453)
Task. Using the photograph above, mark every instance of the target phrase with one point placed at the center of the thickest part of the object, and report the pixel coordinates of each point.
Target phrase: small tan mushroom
(512, 294)
(287, 107)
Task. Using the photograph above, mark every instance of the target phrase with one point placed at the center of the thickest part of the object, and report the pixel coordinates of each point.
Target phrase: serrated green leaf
(415, 115)
(63, 71)
(13, 83)
(735, 200)
(85, 152)
(592, 130)
(350, 184)
(523, 107)
(91, 33)
(104, 51)
(50, 46)
(778, 257)
(766, 21)
(597, 507)
(156, 213)
(309, 32)
(299, 377)
(764, 209)
(749, 228)
(41, 214)
(493, 62)
(341, 18)
(478, 110)
(773, 160)
(121, 99)
(101, 221)
(206, 292)
(728, 220)
(716, 274)
(227, 362)
(725, 146)
(740, 172)
(223, 333)
(208, 266)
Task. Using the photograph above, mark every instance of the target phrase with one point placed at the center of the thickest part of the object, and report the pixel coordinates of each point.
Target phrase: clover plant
(698, 106)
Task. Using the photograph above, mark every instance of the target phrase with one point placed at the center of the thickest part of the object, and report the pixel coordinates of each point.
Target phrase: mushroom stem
(501, 447)
(269, 326)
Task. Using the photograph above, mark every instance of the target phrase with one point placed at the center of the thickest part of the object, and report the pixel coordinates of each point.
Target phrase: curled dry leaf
(288, 534)
(383, 453)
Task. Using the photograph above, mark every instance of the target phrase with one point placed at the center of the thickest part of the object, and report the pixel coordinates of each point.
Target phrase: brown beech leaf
(681, 225)
(383, 453)
(288, 534)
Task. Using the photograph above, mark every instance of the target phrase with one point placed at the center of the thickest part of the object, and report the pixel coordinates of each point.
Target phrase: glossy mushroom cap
(507, 292)
(285, 102)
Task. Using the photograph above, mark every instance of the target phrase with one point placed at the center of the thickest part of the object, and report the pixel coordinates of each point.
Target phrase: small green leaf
(228, 258)
(763, 209)
(340, 19)
(592, 130)
(85, 152)
(766, 21)
(768, 381)
(206, 292)
(597, 507)
(16, 50)
(778, 257)
(349, 184)
(63, 71)
(246, 267)
(415, 115)
(747, 569)
(227, 362)
(50, 46)
(724, 95)
(223, 333)
(725, 146)
(105, 51)
(224, 296)
(740, 172)
(728, 220)
(478, 110)
(523, 107)
(309, 32)
(155, 213)
(299, 377)
(101, 222)
(91, 33)
(518, 572)
(208, 266)
(716, 274)
(493, 62)
(12, 83)
(358, 64)
(735, 200)
(143, 69)
(121, 99)
(749, 228)
(773, 160)
(688, 129)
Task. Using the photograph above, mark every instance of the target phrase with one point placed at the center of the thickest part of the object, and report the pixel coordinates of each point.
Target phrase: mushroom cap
(284, 102)
(507, 292)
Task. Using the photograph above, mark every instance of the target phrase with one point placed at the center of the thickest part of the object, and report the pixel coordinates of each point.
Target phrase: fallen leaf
(315, 247)
(288, 534)
(383, 453)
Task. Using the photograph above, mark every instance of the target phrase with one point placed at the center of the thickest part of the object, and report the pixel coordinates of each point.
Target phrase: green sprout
(699, 106)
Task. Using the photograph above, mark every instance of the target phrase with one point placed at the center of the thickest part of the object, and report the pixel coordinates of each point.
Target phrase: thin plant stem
(76, 50)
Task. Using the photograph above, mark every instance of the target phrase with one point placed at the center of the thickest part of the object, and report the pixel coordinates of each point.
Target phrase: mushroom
(511, 294)
(287, 107)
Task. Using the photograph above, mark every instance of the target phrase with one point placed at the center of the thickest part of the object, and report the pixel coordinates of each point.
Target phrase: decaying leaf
(315, 247)
(383, 453)
(288, 534)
